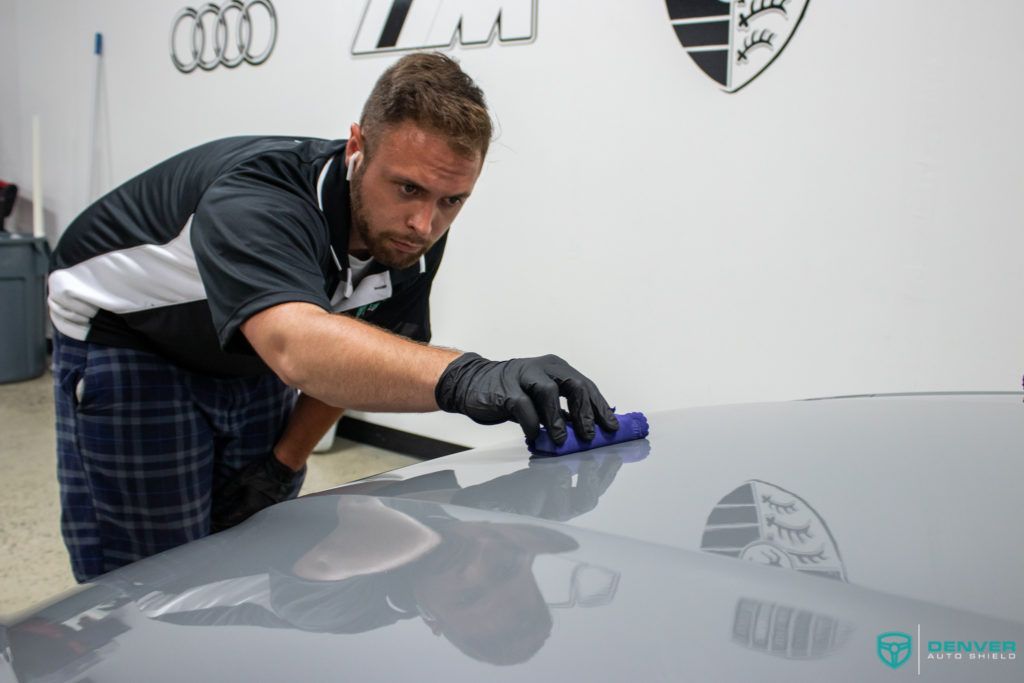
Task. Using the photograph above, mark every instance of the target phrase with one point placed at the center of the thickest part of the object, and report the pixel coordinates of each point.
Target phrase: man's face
(484, 590)
(407, 193)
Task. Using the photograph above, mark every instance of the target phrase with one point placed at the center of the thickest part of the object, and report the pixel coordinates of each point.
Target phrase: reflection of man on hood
(391, 556)
(472, 581)
(489, 605)
(385, 561)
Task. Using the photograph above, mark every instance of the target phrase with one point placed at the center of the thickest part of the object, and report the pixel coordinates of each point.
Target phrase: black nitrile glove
(525, 390)
(258, 485)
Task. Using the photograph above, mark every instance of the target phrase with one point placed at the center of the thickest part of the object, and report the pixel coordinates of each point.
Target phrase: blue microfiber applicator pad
(632, 426)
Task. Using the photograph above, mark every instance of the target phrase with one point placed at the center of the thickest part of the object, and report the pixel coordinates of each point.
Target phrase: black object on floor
(396, 440)
(8, 193)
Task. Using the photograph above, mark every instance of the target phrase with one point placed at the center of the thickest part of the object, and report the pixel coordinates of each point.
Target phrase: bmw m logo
(734, 41)
(397, 25)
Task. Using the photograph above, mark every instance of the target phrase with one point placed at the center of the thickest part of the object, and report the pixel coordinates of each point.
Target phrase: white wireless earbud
(352, 165)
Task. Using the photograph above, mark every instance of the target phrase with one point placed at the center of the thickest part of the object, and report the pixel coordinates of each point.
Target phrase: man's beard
(378, 243)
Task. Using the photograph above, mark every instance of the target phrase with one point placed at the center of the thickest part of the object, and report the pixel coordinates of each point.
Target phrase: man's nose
(422, 220)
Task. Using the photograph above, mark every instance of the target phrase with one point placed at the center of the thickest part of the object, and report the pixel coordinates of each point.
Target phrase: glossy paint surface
(754, 542)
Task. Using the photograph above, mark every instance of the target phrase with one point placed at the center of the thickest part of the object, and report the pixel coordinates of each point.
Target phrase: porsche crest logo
(734, 41)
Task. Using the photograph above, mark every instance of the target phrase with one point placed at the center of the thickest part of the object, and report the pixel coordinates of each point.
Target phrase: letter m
(393, 25)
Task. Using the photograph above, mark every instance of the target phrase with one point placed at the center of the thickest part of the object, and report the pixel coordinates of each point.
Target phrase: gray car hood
(832, 540)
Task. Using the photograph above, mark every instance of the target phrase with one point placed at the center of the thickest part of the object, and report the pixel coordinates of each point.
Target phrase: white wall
(849, 222)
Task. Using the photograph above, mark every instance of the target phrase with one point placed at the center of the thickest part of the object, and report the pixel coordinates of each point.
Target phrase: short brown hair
(431, 90)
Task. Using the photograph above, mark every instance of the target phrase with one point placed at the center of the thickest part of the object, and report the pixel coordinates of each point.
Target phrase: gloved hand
(525, 390)
(258, 485)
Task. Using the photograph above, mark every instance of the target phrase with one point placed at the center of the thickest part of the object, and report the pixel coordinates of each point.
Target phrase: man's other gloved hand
(525, 390)
(256, 486)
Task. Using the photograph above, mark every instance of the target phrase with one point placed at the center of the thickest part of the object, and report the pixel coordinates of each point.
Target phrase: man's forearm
(345, 362)
(309, 421)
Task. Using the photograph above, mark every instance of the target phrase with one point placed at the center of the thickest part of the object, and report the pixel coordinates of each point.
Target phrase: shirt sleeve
(258, 242)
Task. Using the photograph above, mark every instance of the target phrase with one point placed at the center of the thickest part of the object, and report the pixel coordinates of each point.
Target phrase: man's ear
(355, 142)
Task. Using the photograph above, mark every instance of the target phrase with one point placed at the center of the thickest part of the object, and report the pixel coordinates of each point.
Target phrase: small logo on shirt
(368, 308)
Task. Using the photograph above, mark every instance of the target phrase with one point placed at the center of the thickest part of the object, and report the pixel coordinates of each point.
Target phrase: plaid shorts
(142, 444)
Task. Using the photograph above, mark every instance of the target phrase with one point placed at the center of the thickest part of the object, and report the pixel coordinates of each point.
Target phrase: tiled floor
(33, 562)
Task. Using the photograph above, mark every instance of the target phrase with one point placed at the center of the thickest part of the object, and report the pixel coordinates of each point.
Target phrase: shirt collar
(333, 194)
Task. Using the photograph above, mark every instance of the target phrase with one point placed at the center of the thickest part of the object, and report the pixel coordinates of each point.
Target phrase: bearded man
(216, 314)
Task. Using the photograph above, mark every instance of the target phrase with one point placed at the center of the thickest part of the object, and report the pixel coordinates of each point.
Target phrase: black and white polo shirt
(176, 259)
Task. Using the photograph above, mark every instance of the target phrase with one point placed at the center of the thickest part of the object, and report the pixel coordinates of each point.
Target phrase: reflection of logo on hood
(766, 524)
(894, 648)
(734, 41)
(763, 523)
(787, 631)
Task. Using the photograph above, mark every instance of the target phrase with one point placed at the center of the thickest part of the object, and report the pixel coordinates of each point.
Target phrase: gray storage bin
(23, 266)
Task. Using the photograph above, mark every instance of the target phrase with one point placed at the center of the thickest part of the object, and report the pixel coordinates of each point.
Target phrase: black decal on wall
(734, 41)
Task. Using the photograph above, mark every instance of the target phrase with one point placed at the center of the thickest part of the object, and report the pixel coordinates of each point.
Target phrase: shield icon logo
(734, 41)
(894, 648)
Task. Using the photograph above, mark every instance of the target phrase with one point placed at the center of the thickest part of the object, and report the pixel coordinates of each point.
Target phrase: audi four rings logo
(228, 37)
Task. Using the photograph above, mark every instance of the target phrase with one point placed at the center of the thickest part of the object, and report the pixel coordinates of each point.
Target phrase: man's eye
(409, 189)
(454, 201)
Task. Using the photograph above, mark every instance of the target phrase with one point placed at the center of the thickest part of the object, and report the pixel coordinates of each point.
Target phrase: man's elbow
(289, 370)
(274, 336)
(280, 354)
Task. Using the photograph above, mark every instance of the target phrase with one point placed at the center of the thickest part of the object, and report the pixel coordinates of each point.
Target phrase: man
(192, 301)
